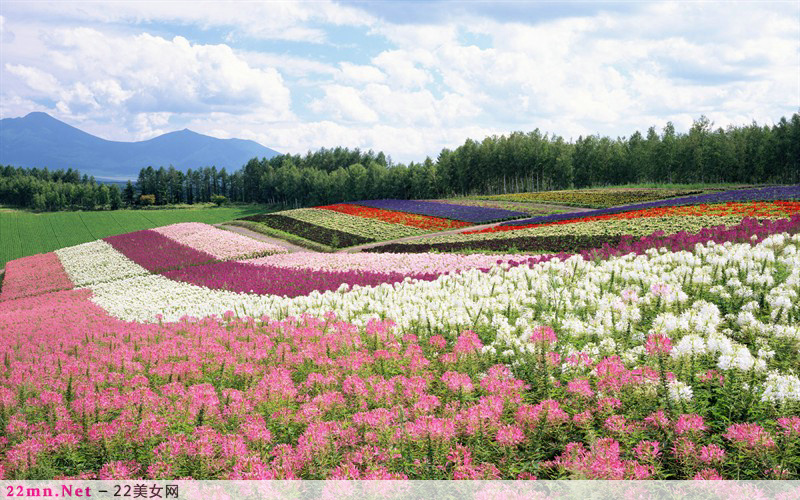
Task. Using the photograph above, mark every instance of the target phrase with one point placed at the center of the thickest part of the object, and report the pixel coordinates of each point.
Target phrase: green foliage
(147, 199)
(219, 200)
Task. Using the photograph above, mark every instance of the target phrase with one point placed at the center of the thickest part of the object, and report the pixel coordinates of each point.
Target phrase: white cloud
(36, 79)
(270, 20)
(344, 103)
(127, 75)
(358, 73)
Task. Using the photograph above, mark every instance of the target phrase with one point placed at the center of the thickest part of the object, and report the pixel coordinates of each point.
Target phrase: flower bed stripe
(426, 222)
(222, 245)
(555, 244)
(741, 195)
(752, 209)
(472, 214)
(96, 262)
(156, 252)
(408, 264)
(312, 232)
(34, 275)
(282, 281)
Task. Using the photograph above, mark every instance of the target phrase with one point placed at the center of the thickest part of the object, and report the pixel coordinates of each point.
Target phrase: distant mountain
(39, 140)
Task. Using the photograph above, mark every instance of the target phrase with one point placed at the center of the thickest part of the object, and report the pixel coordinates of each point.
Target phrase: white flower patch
(679, 391)
(97, 262)
(781, 388)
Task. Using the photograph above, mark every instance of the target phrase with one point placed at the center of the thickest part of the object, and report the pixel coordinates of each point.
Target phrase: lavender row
(444, 210)
(737, 195)
(281, 281)
(156, 252)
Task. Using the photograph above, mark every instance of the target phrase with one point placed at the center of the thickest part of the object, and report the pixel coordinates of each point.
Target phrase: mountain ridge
(40, 140)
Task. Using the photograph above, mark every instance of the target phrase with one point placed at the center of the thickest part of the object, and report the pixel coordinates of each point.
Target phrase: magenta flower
(708, 475)
(543, 335)
(712, 454)
(467, 342)
(688, 424)
(510, 435)
(752, 437)
(658, 344)
(647, 451)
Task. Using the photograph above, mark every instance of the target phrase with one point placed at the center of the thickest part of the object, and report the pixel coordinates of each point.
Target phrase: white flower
(679, 391)
(781, 388)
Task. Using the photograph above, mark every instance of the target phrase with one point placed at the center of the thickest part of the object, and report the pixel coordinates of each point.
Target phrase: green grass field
(26, 233)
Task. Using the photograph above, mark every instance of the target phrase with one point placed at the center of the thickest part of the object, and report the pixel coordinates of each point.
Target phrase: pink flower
(708, 475)
(615, 424)
(658, 344)
(712, 454)
(684, 449)
(543, 335)
(119, 470)
(456, 381)
(688, 424)
(580, 387)
(790, 426)
(510, 435)
(647, 451)
(467, 342)
(750, 436)
(657, 420)
(438, 342)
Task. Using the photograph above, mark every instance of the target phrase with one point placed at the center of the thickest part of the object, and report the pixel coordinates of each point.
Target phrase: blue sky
(408, 78)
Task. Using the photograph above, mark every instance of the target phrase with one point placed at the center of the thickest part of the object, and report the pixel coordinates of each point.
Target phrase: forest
(533, 161)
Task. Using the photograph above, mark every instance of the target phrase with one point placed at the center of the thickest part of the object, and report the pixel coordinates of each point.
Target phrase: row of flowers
(528, 208)
(595, 198)
(614, 368)
(783, 193)
(220, 244)
(620, 227)
(330, 237)
(466, 213)
(774, 209)
(33, 275)
(425, 222)
(352, 224)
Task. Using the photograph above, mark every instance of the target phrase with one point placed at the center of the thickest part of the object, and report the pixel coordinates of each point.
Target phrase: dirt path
(291, 247)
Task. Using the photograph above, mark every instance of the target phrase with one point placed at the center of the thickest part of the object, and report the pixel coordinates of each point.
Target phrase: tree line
(516, 162)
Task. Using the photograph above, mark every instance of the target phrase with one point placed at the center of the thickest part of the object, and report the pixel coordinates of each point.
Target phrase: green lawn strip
(35, 235)
(283, 235)
(24, 233)
(10, 244)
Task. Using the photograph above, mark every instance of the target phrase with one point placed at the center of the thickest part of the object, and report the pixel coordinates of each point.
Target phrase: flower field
(594, 198)
(348, 224)
(184, 352)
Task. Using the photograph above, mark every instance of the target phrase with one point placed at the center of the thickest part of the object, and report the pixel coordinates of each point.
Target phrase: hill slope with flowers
(187, 351)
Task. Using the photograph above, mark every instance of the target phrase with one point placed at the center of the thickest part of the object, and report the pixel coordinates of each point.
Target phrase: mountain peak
(40, 140)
